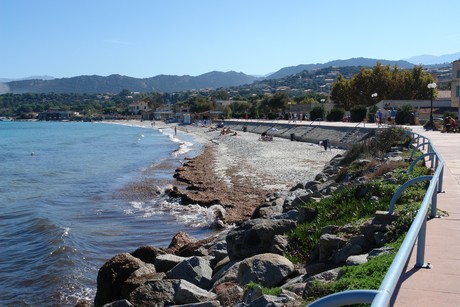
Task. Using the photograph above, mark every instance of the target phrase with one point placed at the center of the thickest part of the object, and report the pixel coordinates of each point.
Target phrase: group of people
(391, 116)
(228, 131)
(450, 124)
(266, 137)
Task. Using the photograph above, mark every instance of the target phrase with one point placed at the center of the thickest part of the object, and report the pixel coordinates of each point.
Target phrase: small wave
(194, 216)
(184, 146)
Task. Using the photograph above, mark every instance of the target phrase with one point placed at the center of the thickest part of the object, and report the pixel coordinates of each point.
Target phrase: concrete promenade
(440, 285)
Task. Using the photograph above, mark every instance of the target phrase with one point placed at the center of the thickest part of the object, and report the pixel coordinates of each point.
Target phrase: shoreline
(238, 171)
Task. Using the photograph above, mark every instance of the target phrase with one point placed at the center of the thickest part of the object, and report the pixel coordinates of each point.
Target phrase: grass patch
(265, 291)
(366, 276)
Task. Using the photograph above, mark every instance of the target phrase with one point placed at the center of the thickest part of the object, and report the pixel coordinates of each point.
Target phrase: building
(455, 86)
(138, 107)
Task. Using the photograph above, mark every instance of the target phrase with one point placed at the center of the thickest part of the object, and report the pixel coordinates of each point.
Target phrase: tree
(386, 82)
(340, 92)
(279, 102)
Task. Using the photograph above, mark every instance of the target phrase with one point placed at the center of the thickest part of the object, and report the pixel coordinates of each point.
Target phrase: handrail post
(434, 200)
(421, 239)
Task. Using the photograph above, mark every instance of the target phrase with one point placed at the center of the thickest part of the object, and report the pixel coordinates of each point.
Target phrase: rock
(218, 250)
(226, 274)
(154, 293)
(267, 210)
(296, 284)
(356, 260)
(316, 268)
(229, 294)
(187, 293)
(267, 270)
(297, 187)
(112, 275)
(252, 294)
(324, 277)
(280, 243)
(255, 237)
(147, 253)
(164, 263)
(348, 250)
(119, 303)
(328, 245)
(307, 214)
(312, 185)
(292, 214)
(301, 200)
(133, 282)
(379, 238)
(379, 251)
(321, 177)
(270, 301)
(195, 270)
(83, 303)
(203, 304)
(180, 240)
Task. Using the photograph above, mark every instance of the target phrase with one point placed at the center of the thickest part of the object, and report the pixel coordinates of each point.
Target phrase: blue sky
(146, 38)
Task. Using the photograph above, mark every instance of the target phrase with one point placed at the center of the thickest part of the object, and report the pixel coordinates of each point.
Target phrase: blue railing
(417, 231)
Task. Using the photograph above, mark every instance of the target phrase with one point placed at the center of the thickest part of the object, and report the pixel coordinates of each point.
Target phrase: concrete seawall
(339, 136)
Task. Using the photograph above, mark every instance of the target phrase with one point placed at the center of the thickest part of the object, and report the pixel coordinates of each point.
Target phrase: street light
(431, 86)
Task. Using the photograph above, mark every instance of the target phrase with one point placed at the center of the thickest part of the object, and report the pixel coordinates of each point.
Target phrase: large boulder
(147, 253)
(267, 270)
(229, 294)
(135, 281)
(188, 293)
(255, 237)
(157, 293)
(112, 275)
(226, 274)
(329, 244)
(164, 263)
(195, 270)
(269, 209)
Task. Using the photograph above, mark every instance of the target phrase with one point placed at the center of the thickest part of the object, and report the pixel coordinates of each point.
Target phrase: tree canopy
(387, 83)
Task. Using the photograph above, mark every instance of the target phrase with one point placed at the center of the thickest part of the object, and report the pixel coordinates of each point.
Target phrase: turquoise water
(70, 201)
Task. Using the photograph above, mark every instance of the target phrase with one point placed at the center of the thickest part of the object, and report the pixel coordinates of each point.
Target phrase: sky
(146, 38)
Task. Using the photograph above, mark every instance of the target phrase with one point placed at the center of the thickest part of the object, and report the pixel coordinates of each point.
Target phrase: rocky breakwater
(217, 270)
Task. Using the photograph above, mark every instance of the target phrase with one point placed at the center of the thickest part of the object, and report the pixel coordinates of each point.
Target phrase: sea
(75, 194)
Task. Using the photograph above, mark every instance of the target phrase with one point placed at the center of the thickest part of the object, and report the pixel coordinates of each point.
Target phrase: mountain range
(171, 83)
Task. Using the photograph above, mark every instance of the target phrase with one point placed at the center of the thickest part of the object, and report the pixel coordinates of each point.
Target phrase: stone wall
(342, 137)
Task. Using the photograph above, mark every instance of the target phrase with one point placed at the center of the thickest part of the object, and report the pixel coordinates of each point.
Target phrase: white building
(138, 107)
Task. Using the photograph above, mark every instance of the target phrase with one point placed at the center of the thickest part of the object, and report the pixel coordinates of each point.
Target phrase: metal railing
(417, 231)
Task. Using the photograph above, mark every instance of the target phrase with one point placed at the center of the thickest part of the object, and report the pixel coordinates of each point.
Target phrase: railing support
(403, 187)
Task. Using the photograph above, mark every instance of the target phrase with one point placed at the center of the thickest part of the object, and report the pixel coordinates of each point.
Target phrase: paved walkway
(440, 285)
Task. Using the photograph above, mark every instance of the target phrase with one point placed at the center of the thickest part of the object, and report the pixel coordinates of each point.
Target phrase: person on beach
(175, 130)
(325, 144)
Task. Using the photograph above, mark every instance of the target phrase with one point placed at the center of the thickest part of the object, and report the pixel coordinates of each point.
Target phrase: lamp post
(431, 86)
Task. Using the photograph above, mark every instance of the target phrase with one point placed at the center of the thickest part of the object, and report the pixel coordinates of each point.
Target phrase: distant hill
(4, 80)
(283, 72)
(433, 59)
(170, 83)
(116, 83)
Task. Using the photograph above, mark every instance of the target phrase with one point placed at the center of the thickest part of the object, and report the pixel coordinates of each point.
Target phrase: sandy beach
(238, 171)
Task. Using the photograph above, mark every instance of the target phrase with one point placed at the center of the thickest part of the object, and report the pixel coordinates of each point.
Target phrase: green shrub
(335, 115)
(358, 114)
(317, 112)
(405, 114)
